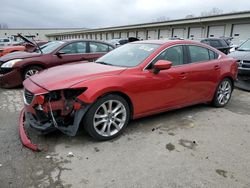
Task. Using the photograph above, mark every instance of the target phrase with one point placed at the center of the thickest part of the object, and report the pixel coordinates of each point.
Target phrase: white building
(236, 25)
(37, 33)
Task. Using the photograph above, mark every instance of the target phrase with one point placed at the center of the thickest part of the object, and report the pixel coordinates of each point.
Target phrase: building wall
(231, 25)
(40, 34)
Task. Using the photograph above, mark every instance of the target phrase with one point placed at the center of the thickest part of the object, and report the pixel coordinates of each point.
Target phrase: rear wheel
(31, 71)
(107, 117)
(223, 93)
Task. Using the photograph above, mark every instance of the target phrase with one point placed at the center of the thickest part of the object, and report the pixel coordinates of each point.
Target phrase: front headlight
(10, 63)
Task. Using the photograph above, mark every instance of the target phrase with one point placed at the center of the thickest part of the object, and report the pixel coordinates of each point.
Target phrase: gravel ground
(198, 146)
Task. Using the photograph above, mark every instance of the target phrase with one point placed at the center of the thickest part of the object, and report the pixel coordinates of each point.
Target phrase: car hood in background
(240, 55)
(65, 76)
(19, 55)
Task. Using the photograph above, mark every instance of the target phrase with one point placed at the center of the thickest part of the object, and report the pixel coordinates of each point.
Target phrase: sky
(104, 13)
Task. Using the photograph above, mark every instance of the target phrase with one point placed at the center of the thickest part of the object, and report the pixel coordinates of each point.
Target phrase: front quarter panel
(137, 87)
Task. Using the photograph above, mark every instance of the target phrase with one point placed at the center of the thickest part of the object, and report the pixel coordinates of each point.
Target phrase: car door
(204, 71)
(169, 88)
(72, 52)
(98, 49)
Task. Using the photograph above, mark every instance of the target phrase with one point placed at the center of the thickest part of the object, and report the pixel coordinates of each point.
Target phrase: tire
(103, 124)
(223, 93)
(31, 70)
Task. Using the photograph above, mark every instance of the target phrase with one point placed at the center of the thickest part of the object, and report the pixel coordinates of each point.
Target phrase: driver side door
(169, 88)
(75, 51)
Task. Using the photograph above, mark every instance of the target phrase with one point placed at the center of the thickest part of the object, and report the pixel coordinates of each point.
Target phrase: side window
(98, 47)
(69, 49)
(111, 48)
(198, 54)
(213, 55)
(173, 54)
(74, 48)
(81, 47)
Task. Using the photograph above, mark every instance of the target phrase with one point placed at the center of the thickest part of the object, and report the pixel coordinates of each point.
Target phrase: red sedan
(17, 66)
(132, 81)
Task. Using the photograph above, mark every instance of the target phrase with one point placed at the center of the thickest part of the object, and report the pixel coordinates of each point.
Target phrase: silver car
(242, 54)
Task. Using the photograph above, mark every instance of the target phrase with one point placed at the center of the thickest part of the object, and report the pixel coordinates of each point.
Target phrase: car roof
(164, 42)
(84, 40)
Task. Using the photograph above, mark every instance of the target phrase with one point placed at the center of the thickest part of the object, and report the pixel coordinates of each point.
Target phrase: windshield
(129, 55)
(245, 46)
(50, 47)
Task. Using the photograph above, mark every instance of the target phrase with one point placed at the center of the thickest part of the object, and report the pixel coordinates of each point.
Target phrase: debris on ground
(188, 144)
(170, 147)
(70, 154)
(222, 172)
(156, 128)
(1, 165)
(97, 149)
(171, 133)
(48, 157)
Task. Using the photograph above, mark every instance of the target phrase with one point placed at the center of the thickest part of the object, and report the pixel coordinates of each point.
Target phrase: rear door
(204, 72)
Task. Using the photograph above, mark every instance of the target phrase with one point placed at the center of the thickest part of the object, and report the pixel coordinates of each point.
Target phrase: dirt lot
(199, 146)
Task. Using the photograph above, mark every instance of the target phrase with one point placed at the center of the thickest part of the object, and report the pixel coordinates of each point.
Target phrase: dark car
(242, 54)
(17, 66)
(218, 43)
(132, 81)
(122, 41)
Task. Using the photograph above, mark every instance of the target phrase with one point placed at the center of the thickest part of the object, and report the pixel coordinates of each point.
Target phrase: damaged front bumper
(51, 111)
(23, 136)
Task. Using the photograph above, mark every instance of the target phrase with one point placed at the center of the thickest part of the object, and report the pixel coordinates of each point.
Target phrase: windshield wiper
(103, 63)
(243, 49)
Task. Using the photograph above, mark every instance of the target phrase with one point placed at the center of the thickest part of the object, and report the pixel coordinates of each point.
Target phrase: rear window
(215, 43)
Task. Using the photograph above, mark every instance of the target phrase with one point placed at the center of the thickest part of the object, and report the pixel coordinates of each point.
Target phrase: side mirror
(161, 65)
(59, 54)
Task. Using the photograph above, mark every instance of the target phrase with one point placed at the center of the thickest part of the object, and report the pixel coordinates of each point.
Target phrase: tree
(162, 19)
(4, 26)
(190, 16)
(213, 11)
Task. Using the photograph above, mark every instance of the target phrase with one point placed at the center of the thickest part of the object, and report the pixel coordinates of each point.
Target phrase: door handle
(216, 67)
(183, 75)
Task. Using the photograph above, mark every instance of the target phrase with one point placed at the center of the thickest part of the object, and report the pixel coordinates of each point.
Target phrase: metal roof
(201, 19)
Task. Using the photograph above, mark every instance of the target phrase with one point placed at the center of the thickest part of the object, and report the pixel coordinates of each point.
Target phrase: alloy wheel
(109, 118)
(224, 92)
(30, 73)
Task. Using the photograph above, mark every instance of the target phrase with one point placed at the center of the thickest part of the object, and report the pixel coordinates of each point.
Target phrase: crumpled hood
(19, 55)
(65, 76)
(240, 55)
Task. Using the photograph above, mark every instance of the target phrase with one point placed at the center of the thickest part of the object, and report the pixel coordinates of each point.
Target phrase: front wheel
(31, 71)
(223, 93)
(107, 117)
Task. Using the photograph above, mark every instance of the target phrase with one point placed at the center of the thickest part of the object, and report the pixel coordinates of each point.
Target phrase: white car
(5, 42)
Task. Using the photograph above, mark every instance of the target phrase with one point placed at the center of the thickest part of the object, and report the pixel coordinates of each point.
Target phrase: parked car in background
(8, 42)
(135, 80)
(10, 49)
(24, 45)
(218, 43)
(242, 54)
(16, 67)
(122, 41)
